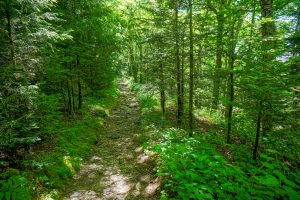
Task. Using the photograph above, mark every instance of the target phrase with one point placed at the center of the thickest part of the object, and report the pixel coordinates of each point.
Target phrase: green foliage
(145, 94)
(72, 143)
(14, 188)
(192, 169)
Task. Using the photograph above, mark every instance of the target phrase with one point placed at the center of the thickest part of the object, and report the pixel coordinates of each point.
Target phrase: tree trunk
(258, 126)
(191, 83)
(70, 104)
(182, 89)
(219, 52)
(234, 32)
(79, 94)
(73, 95)
(91, 81)
(177, 63)
(141, 65)
(198, 76)
(267, 31)
(79, 84)
(162, 89)
(9, 31)
(231, 93)
(134, 64)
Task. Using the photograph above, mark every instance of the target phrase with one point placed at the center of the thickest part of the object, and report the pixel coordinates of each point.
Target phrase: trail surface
(118, 168)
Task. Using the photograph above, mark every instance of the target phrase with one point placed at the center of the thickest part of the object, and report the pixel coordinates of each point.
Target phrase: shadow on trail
(118, 168)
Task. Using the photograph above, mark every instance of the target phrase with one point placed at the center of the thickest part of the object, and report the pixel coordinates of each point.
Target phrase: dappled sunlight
(96, 158)
(139, 150)
(84, 195)
(119, 168)
(142, 158)
(68, 163)
(152, 187)
(118, 186)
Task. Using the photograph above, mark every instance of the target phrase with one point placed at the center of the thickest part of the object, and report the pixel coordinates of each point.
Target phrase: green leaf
(269, 180)
(1, 195)
(7, 195)
(279, 174)
(266, 157)
(293, 195)
(268, 165)
(272, 151)
(291, 184)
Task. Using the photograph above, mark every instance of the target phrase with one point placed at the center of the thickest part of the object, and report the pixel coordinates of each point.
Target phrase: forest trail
(118, 167)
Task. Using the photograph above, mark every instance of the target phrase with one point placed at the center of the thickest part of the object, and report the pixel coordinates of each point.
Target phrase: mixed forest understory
(149, 99)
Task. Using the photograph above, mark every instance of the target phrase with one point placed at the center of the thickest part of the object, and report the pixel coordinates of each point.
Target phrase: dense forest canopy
(218, 81)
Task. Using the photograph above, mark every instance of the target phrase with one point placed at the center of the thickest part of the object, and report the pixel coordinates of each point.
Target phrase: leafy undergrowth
(203, 167)
(191, 168)
(55, 160)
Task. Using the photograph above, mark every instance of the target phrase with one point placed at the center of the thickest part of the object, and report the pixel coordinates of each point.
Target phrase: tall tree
(191, 77)
(264, 104)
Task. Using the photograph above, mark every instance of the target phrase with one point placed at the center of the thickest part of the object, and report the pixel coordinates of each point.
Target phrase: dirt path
(118, 169)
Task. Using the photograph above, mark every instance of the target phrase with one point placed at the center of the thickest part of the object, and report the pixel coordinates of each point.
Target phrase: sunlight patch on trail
(119, 168)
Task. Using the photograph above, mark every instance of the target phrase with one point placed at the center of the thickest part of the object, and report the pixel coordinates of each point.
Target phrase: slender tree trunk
(252, 22)
(141, 65)
(182, 79)
(177, 63)
(234, 32)
(129, 62)
(267, 30)
(70, 104)
(134, 64)
(219, 52)
(231, 94)
(10, 38)
(162, 89)
(79, 84)
(191, 83)
(258, 127)
(73, 95)
(198, 76)
(79, 94)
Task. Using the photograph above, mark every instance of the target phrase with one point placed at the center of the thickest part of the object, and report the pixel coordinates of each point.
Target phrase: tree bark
(141, 65)
(9, 31)
(219, 52)
(177, 63)
(70, 104)
(162, 89)
(231, 91)
(234, 32)
(191, 82)
(79, 84)
(267, 31)
(182, 79)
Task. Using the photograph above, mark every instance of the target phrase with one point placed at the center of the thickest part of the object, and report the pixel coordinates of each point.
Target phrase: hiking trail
(118, 167)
